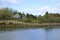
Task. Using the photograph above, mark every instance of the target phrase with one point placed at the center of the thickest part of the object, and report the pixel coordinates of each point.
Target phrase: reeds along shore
(28, 25)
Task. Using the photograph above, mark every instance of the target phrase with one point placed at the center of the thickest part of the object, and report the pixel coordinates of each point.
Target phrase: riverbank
(18, 24)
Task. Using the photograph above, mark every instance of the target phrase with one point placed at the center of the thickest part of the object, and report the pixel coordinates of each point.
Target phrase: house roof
(16, 16)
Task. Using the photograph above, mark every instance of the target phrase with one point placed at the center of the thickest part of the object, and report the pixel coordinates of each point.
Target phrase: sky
(35, 7)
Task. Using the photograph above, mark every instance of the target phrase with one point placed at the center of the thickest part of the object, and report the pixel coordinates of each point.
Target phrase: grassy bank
(18, 24)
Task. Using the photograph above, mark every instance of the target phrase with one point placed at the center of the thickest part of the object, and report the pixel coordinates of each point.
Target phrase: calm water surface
(31, 34)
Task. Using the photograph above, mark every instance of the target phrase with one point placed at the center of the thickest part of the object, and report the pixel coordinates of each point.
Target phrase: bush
(3, 23)
(10, 23)
(29, 21)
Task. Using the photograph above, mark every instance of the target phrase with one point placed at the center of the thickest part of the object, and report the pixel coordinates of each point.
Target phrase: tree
(6, 13)
(47, 16)
(30, 16)
(23, 16)
(20, 15)
(15, 12)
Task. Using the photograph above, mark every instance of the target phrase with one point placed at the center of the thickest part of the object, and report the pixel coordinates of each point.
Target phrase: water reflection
(54, 34)
(31, 34)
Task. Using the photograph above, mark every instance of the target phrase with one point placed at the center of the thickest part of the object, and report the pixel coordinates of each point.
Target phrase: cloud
(6, 3)
(50, 9)
(58, 5)
(54, 0)
(36, 11)
(42, 10)
(9, 1)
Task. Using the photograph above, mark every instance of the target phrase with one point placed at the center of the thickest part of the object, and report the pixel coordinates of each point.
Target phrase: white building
(16, 16)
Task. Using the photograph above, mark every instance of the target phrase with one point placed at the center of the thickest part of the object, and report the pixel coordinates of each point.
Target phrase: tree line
(9, 13)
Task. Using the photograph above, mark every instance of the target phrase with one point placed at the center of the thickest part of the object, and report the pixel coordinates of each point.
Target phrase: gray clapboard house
(16, 16)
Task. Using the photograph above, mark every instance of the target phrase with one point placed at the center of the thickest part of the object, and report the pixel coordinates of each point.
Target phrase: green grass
(13, 24)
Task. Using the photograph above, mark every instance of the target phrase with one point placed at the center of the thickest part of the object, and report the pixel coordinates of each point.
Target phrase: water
(31, 34)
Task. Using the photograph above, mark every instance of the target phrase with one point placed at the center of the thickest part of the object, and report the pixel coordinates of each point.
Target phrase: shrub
(3, 23)
(10, 23)
(29, 21)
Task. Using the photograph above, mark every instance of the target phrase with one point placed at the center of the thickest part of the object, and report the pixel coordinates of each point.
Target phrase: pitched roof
(16, 16)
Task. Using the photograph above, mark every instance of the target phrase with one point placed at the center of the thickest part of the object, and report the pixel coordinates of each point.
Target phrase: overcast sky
(36, 7)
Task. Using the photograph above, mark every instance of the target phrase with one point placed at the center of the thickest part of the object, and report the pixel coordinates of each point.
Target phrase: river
(31, 34)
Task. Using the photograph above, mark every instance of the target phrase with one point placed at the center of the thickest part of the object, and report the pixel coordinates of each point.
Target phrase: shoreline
(31, 25)
(19, 24)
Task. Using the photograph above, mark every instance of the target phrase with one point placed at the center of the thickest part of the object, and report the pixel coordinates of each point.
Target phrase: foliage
(30, 16)
(10, 23)
(6, 13)
(2, 23)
